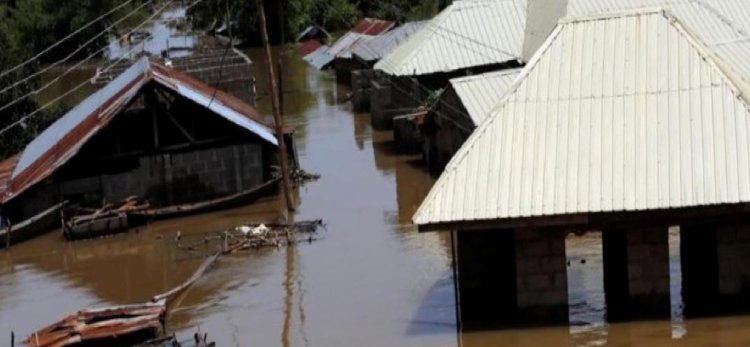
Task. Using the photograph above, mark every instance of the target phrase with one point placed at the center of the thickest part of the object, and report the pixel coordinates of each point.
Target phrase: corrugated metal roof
(378, 47)
(622, 113)
(480, 93)
(723, 25)
(365, 30)
(308, 47)
(467, 33)
(319, 58)
(62, 140)
(372, 26)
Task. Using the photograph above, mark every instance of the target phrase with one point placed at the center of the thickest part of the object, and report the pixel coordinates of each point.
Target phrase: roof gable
(63, 139)
(627, 112)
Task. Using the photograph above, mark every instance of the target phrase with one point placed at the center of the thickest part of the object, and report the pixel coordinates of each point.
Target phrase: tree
(331, 14)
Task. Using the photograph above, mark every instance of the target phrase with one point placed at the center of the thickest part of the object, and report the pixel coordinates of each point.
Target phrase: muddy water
(371, 281)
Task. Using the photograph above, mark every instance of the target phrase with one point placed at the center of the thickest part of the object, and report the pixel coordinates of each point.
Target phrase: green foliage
(404, 10)
(332, 14)
(30, 26)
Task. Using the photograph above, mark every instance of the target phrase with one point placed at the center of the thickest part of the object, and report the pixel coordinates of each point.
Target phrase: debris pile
(250, 236)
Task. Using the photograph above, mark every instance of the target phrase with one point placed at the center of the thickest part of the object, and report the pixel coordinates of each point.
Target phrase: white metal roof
(467, 33)
(378, 47)
(480, 93)
(723, 25)
(622, 113)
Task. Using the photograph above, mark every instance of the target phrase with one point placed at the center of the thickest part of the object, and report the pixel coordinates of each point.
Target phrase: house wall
(361, 84)
(164, 179)
(446, 129)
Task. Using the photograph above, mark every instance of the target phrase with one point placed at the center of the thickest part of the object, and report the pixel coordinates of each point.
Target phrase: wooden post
(278, 118)
(7, 236)
(12, 339)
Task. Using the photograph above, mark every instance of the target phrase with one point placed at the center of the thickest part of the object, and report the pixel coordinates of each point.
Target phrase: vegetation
(30, 26)
(333, 15)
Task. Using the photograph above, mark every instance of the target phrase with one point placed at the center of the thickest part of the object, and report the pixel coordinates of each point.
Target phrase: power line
(87, 25)
(81, 85)
(79, 49)
(89, 57)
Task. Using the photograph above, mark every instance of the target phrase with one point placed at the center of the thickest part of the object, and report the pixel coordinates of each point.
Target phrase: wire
(38, 55)
(226, 50)
(79, 49)
(81, 85)
(89, 57)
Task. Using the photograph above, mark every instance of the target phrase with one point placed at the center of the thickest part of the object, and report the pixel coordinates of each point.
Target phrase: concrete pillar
(636, 273)
(700, 269)
(541, 276)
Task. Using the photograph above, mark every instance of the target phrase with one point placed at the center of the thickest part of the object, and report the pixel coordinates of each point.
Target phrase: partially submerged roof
(479, 93)
(64, 138)
(319, 58)
(722, 25)
(467, 33)
(626, 112)
(366, 29)
(378, 47)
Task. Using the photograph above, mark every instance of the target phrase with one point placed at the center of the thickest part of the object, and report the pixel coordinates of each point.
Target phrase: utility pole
(278, 118)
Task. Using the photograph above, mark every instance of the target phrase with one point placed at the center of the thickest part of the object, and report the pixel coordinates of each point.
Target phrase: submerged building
(463, 105)
(152, 132)
(628, 123)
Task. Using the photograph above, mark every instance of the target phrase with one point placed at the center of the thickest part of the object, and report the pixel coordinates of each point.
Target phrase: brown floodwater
(371, 280)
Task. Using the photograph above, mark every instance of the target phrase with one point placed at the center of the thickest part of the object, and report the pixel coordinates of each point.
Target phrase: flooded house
(370, 52)
(463, 105)
(629, 123)
(152, 132)
(363, 31)
(466, 38)
(339, 54)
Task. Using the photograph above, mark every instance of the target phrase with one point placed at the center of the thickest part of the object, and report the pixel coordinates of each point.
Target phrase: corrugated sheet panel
(319, 58)
(467, 33)
(480, 93)
(308, 47)
(365, 30)
(723, 25)
(6, 172)
(626, 113)
(378, 47)
(64, 138)
(372, 26)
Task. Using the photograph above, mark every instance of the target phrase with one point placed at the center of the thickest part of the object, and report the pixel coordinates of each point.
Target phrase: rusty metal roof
(308, 47)
(365, 30)
(372, 26)
(64, 138)
(378, 47)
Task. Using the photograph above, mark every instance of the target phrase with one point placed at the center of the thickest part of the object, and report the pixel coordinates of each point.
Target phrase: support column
(486, 286)
(636, 273)
(541, 276)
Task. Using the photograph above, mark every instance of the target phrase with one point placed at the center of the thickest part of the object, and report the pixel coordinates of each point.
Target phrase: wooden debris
(250, 236)
(84, 223)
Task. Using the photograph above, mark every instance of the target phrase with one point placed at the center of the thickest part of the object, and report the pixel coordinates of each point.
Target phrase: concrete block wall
(541, 272)
(733, 251)
(648, 262)
(164, 180)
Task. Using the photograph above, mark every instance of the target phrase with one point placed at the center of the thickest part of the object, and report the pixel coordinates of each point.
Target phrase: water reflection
(154, 38)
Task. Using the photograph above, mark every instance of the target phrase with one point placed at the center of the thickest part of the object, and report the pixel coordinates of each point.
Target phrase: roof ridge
(484, 75)
(459, 157)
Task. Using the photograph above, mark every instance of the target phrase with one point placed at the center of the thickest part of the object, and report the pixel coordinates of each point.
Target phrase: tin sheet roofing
(365, 30)
(479, 93)
(378, 47)
(62, 140)
(722, 25)
(627, 112)
(308, 47)
(467, 33)
(319, 58)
